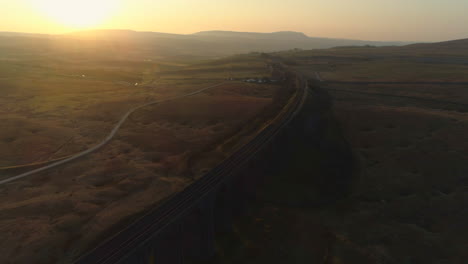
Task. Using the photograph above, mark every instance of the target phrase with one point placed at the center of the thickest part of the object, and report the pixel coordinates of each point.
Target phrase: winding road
(107, 139)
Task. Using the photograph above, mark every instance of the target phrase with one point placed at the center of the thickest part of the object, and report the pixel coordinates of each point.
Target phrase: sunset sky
(406, 20)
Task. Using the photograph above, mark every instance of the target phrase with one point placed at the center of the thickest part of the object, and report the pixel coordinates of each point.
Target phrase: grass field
(419, 62)
(409, 134)
(411, 140)
(51, 108)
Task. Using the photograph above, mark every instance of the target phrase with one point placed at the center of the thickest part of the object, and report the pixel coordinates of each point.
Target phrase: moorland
(58, 99)
(403, 110)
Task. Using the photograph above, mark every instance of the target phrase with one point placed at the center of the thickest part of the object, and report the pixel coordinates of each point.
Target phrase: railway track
(126, 242)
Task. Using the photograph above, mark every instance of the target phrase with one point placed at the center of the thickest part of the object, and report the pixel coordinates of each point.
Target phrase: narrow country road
(107, 139)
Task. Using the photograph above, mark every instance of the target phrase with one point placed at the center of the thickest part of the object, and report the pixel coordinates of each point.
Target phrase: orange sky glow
(416, 20)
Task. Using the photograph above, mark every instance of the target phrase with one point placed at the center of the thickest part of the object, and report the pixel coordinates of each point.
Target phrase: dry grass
(411, 140)
(413, 186)
(409, 63)
(409, 205)
(53, 216)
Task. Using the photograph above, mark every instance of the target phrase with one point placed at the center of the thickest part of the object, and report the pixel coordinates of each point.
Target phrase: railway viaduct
(184, 227)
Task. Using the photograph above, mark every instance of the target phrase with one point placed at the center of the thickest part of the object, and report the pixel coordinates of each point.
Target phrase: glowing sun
(77, 13)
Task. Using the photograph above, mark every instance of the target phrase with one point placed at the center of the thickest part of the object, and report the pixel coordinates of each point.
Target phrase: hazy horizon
(207, 30)
(425, 21)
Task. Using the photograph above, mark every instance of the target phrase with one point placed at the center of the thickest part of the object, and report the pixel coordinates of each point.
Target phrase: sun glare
(77, 13)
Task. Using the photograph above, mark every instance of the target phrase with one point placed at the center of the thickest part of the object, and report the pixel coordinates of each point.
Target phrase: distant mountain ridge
(223, 43)
(279, 34)
(205, 44)
(459, 44)
(20, 34)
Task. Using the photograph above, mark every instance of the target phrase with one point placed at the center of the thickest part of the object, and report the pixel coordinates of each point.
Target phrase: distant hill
(454, 51)
(459, 46)
(157, 45)
(232, 34)
(222, 43)
(19, 34)
(298, 38)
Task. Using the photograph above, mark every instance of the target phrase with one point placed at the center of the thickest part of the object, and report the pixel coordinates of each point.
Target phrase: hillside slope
(150, 45)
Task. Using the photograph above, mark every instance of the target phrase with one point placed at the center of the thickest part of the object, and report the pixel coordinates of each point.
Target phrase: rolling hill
(155, 45)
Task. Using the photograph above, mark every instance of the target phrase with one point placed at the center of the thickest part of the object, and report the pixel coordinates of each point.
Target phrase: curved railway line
(125, 243)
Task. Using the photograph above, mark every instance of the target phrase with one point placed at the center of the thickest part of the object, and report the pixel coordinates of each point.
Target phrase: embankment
(310, 166)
